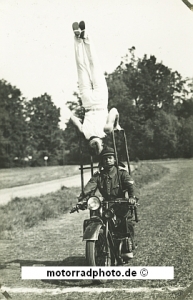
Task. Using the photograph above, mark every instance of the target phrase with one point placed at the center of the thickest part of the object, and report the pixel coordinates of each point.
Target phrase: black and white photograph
(96, 149)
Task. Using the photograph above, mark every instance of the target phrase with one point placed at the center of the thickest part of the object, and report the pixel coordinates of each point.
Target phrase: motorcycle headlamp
(93, 203)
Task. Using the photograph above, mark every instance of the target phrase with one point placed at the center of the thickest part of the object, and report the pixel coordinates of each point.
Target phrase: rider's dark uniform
(112, 186)
(109, 185)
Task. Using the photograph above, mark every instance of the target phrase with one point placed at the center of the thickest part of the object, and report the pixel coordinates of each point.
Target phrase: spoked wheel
(97, 253)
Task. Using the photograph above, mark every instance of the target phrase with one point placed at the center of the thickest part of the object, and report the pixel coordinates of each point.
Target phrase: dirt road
(164, 239)
(38, 189)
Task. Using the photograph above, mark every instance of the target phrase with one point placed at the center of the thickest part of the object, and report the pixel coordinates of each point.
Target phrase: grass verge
(22, 213)
(22, 176)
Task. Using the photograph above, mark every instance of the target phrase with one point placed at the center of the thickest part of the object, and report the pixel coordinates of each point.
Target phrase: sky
(37, 46)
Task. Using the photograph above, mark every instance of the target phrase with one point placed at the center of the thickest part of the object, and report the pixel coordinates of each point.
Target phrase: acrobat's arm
(112, 121)
(76, 122)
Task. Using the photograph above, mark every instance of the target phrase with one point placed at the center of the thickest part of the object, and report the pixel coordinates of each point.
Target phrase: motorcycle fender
(92, 231)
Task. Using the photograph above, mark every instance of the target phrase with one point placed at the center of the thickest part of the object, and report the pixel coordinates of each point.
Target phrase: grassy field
(27, 212)
(22, 176)
(41, 231)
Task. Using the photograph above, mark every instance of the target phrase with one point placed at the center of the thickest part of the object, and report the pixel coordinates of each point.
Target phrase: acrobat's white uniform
(93, 88)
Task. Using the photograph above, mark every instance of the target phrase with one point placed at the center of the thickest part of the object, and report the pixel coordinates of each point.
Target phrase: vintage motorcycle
(106, 243)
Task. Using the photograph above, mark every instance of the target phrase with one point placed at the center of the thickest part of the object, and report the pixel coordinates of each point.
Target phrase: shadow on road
(71, 261)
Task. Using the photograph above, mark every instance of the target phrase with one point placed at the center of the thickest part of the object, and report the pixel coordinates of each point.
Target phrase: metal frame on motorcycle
(96, 223)
(91, 167)
(82, 167)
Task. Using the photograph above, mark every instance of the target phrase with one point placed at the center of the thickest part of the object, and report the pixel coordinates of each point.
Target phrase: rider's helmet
(107, 151)
(107, 158)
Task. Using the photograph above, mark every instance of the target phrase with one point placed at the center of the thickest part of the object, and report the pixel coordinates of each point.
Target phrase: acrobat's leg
(112, 121)
(97, 76)
(84, 78)
(73, 118)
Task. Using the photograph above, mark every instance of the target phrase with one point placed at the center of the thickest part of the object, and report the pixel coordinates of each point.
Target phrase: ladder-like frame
(91, 167)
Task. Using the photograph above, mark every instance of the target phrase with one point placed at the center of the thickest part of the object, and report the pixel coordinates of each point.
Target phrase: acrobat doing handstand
(93, 92)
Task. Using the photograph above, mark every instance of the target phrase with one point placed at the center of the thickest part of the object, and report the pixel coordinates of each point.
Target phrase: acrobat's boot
(82, 28)
(76, 29)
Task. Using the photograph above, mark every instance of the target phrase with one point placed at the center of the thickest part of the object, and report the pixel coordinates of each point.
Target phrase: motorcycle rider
(113, 183)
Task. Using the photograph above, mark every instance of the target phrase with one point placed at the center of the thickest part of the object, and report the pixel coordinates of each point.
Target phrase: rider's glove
(80, 198)
(132, 200)
(82, 205)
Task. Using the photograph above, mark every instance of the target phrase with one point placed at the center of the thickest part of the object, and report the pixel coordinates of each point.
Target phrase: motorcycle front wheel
(98, 252)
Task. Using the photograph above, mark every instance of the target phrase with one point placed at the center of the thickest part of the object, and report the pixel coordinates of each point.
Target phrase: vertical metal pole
(116, 157)
(63, 154)
(91, 165)
(81, 164)
(107, 236)
(127, 153)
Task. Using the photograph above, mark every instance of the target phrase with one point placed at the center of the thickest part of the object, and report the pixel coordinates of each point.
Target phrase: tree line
(29, 130)
(155, 106)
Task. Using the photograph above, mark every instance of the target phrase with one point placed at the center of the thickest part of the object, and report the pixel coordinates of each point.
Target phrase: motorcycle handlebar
(78, 206)
(122, 200)
(74, 209)
(83, 205)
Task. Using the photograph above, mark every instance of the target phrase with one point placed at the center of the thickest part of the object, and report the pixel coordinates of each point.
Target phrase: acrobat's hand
(80, 197)
(118, 127)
